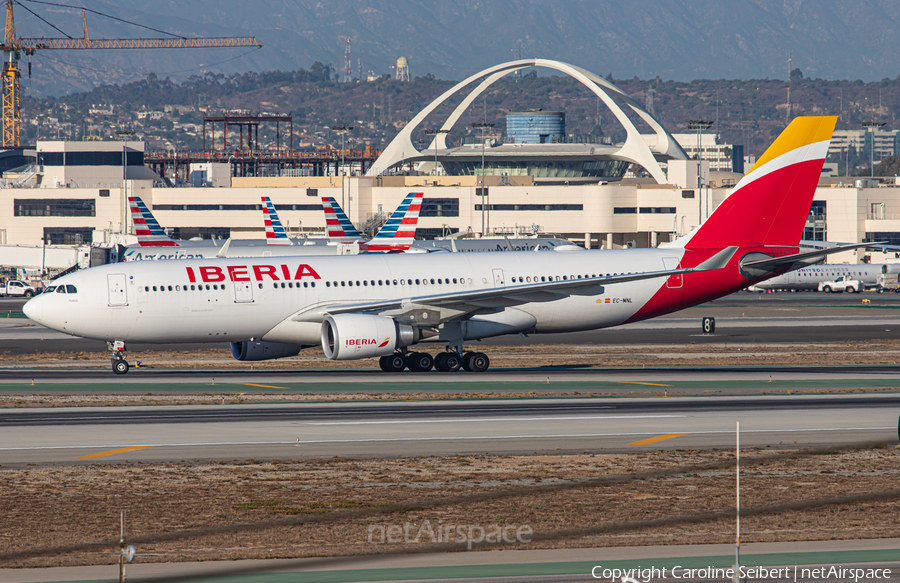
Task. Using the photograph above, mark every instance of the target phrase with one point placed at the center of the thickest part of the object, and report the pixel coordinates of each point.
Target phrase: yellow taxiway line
(638, 383)
(112, 452)
(262, 386)
(658, 438)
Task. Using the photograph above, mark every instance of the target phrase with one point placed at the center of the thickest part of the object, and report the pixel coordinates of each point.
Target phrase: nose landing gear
(117, 354)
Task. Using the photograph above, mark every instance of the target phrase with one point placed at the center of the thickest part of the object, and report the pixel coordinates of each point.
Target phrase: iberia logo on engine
(365, 342)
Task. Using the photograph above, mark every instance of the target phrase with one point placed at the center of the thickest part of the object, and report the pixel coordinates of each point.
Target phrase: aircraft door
(499, 280)
(116, 284)
(674, 281)
(243, 292)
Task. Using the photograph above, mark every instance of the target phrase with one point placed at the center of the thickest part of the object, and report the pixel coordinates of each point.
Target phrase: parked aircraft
(154, 243)
(809, 278)
(368, 306)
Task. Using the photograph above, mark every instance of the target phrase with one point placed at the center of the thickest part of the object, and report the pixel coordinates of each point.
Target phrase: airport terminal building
(535, 183)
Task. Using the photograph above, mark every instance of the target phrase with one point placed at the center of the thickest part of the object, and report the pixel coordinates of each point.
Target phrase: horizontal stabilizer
(773, 263)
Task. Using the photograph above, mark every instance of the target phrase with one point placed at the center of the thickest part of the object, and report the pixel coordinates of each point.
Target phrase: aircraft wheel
(392, 362)
(478, 362)
(464, 359)
(447, 362)
(120, 366)
(420, 362)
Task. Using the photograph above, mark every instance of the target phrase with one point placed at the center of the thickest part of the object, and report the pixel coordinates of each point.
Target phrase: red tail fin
(769, 206)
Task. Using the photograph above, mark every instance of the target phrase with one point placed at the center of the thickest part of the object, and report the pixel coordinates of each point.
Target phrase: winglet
(223, 251)
(146, 227)
(275, 233)
(719, 260)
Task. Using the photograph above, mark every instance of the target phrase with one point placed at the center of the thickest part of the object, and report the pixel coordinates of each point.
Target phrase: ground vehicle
(18, 289)
(841, 284)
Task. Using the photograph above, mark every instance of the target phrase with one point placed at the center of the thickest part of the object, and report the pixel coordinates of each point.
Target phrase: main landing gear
(117, 354)
(450, 361)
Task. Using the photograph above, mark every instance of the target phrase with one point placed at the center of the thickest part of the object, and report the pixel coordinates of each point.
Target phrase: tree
(796, 74)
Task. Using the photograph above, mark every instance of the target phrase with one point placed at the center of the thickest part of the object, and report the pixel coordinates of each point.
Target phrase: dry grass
(44, 506)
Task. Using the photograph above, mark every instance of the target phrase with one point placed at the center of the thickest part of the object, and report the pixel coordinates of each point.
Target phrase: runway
(89, 435)
(743, 317)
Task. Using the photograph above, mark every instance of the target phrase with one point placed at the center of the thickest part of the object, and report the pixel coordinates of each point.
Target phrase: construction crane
(13, 47)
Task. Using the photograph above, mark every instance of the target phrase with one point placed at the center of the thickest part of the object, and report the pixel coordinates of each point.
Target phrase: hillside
(689, 39)
(748, 112)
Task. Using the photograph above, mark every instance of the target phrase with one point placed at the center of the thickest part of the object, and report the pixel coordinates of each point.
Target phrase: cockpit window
(61, 289)
(71, 289)
(50, 289)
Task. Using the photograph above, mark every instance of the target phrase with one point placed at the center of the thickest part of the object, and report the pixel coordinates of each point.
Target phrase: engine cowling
(252, 351)
(356, 336)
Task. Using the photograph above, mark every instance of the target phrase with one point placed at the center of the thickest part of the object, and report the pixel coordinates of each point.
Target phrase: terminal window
(55, 207)
(531, 207)
(440, 207)
(624, 210)
(68, 235)
(657, 210)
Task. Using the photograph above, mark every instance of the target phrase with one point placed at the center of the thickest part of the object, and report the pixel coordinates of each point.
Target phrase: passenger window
(343, 284)
(327, 284)
(170, 288)
(207, 287)
(432, 282)
(543, 278)
(305, 284)
(454, 280)
(402, 282)
(357, 283)
(312, 284)
(177, 288)
(282, 285)
(154, 288)
(260, 286)
(146, 288)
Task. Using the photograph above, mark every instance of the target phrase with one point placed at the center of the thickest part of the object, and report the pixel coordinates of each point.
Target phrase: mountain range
(450, 39)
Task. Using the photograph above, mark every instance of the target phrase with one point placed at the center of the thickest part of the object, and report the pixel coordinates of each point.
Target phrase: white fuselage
(241, 299)
(809, 278)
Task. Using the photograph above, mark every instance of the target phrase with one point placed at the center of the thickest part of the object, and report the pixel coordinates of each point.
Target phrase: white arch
(635, 148)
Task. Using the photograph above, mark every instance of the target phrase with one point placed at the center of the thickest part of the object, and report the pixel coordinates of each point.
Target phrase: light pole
(125, 134)
(871, 126)
(341, 129)
(483, 126)
(435, 133)
(699, 125)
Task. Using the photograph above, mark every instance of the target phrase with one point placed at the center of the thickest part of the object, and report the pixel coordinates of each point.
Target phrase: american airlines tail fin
(337, 224)
(275, 233)
(147, 229)
(399, 232)
(770, 205)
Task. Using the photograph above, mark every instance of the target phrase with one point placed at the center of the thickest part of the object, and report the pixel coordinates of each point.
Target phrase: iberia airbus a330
(368, 306)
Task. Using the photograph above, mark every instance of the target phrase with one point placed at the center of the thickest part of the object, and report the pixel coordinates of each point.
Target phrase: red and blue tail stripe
(399, 232)
(275, 233)
(337, 224)
(146, 227)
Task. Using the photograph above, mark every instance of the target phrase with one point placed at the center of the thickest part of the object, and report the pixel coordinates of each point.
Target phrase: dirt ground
(531, 356)
(60, 505)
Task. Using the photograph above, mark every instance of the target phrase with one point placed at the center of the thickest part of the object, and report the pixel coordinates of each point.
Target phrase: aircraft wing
(455, 304)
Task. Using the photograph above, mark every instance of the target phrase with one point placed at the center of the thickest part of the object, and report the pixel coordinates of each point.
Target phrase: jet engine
(251, 351)
(355, 336)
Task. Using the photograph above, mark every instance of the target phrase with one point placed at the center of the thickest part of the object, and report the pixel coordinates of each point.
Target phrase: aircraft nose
(34, 309)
